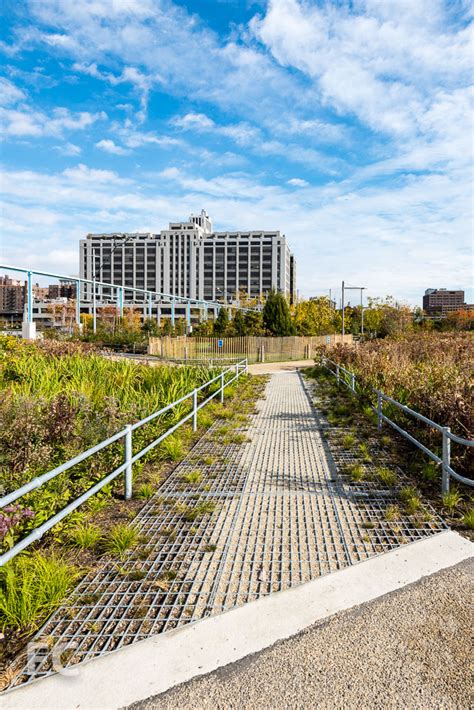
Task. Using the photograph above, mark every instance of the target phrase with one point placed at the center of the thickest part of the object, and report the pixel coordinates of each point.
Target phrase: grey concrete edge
(159, 663)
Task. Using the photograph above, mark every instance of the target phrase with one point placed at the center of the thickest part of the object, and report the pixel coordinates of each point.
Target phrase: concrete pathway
(409, 649)
(266, 368)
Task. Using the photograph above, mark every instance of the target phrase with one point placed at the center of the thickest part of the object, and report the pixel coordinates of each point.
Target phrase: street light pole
(342, 304)
(349, 288)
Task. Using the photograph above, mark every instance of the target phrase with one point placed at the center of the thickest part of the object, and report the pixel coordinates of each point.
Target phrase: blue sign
(220, 343)
(328, 340)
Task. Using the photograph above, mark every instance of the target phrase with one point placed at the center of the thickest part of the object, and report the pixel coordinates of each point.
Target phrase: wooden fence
(255, 348)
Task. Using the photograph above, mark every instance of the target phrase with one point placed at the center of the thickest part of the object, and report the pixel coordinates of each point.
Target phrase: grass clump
(172, 448)
(204, 508)
(468, 519)
(411, 499)
(365, 453)
(31, 588)
(356, 472)
(430, 472)
(193, 477)
(121, 538)
(348, 440)
(386, 476)
(451, 500)
(392, 513)
(208, 460)
(85, 536)
(145, 491)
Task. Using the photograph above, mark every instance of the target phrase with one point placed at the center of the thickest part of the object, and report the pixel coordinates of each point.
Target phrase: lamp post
(351, 288)
(99, 269)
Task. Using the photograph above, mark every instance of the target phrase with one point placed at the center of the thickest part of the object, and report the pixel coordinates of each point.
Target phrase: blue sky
(347, 125)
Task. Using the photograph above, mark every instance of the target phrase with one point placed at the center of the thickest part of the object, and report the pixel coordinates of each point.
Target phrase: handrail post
(446, 459)
(379, 410)
(246, 369)
(353, 382)
(222, 388)
(337, 374)
(237, 371)
(195, 410)
(128, 458)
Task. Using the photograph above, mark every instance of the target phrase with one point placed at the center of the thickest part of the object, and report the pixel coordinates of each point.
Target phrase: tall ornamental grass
(430, 373)
(59, 399)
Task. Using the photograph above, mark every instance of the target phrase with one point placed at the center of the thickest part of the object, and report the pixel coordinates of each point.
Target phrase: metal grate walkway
(280, 515)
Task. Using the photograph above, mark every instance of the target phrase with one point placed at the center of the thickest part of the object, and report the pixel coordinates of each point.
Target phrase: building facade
(12, 296)
(439, 301)
(190, 260)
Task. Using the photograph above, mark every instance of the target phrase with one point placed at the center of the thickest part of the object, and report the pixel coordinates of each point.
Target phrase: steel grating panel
(285, 513)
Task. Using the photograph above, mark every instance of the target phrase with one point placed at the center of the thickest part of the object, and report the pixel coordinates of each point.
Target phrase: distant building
(12, 296)
(440, 301)
(191, 260)
(65, 289)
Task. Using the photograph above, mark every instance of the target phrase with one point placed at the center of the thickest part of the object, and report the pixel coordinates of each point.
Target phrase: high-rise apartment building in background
(191, 260)
(440, 301)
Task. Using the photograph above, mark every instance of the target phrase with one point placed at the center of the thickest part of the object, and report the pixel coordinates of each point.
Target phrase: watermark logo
(43, 655)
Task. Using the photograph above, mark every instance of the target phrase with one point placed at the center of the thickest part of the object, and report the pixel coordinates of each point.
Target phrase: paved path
(264, 368)
(409, 649)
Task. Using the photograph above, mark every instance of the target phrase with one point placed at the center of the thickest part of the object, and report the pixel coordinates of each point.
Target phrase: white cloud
(9, 93)
(130, 74)
(25, 121)
(298, 182)
(379, 60)
(69, 149)
(109, 146)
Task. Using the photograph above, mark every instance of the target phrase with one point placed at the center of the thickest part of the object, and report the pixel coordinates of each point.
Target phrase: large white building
(190, 260)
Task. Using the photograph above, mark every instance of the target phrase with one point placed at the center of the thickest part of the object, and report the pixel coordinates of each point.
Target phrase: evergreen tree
(239, 323)
(221, 323)
(276, 315)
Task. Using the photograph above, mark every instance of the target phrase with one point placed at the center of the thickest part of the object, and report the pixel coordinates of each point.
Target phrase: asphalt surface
(408, 649)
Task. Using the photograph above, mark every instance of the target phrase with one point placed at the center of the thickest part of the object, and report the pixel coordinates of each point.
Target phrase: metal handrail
(448, 436)
(127, 467)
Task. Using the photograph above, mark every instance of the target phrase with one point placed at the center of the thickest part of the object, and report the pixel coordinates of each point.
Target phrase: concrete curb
(161, 662)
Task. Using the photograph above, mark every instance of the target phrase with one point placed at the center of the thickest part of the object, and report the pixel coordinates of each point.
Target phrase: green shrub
(31, 588)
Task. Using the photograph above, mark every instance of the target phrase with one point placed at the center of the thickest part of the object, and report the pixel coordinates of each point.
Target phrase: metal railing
(129, 459)
(348, 378)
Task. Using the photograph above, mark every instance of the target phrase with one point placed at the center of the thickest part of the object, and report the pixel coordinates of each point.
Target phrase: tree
(222, 322)
(315, 317)
(276, 315)
(254, 323)
(166, 327)
(239, 323)
(460, 320)
(150, 327)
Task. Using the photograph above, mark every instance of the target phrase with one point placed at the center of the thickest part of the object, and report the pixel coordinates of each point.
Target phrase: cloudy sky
(345, 124)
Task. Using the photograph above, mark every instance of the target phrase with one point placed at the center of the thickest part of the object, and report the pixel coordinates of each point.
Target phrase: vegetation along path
(248, 512)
